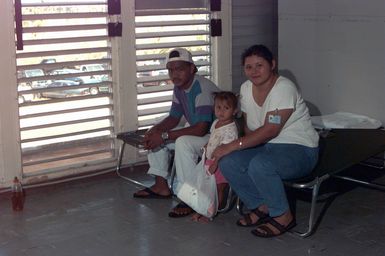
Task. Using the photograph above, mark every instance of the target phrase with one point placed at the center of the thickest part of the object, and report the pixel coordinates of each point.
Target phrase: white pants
(187, 150)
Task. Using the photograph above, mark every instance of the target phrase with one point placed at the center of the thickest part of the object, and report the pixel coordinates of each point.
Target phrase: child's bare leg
(195, 217)
(221, 188)
(200, 218)
(203, 219)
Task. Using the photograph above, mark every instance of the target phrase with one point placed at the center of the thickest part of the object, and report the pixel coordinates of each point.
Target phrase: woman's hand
(221, 151)
(213, 167)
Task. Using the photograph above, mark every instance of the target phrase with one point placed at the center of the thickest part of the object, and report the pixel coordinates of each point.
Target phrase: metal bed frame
(339, 150)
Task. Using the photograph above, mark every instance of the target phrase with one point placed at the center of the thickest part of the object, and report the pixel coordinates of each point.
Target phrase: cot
(339, 150)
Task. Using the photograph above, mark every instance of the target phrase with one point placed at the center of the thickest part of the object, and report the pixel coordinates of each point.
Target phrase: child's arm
(213, 167)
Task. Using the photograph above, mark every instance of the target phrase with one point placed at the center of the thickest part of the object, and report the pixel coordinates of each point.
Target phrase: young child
(223, 130)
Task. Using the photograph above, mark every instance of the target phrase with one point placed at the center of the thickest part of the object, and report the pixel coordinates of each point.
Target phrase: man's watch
(165, 136)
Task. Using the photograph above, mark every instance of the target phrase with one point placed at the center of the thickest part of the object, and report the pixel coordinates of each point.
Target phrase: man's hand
(152, 139)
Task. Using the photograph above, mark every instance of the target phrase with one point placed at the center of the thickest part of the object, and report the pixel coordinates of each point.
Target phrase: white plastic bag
(345, 120)
(202, 196)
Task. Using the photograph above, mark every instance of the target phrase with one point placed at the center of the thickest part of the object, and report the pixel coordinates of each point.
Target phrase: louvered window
(159, 27)
(64, 84)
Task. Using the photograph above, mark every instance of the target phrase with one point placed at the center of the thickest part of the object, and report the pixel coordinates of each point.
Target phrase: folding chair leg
(312, 211)
(119, 165)
(172, 177)
(239, 206)
(121, 152)
(228, 202)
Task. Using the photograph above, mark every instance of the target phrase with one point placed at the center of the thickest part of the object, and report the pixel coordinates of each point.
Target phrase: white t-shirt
(284, 95)
(221, 135)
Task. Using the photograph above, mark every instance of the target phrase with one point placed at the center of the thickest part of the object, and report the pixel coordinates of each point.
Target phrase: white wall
(334, 50)
(253, 22)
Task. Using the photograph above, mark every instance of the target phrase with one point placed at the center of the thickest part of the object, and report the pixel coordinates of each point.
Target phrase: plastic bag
(202, 196)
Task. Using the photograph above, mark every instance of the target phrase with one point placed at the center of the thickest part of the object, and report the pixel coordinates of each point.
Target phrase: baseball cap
(179, 54)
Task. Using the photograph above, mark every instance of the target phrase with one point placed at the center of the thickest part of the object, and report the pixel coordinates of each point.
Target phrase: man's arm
(199, 129)
(153, 137)
(166, 124)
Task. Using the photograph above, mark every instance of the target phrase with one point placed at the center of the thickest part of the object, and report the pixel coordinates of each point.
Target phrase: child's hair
(227, 96)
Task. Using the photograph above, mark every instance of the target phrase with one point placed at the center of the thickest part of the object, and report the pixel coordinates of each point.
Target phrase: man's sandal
(249, 222)
(149, 194)
(264, 230)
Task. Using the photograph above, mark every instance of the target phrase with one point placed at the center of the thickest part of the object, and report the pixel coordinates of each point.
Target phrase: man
(193, 100)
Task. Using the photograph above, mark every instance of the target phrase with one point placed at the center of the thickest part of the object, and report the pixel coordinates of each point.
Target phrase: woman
(279, 143)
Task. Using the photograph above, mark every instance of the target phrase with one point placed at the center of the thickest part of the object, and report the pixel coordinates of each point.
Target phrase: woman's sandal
(265, 231)
(249, 222)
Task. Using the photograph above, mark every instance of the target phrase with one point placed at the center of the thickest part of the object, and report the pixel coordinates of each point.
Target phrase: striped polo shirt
(195, 103)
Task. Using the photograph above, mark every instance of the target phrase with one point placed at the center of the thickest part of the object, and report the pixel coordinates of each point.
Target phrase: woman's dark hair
(259, 50)
(227, 96)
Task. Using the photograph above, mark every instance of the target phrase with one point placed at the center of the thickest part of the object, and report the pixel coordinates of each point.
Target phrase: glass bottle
(17, 195)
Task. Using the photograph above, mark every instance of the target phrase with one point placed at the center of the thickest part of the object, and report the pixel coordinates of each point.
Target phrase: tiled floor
(98, 216)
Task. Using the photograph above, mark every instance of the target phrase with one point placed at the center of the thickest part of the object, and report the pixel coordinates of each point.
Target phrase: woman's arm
(246, 129)
(274, 122)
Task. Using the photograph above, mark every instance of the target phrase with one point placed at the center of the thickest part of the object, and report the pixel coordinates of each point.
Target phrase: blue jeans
(256, 174)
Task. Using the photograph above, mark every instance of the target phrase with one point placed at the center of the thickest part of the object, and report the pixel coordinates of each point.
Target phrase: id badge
(274, 119)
